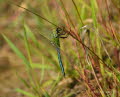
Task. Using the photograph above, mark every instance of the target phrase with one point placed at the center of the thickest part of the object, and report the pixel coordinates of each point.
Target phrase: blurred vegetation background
(29, 64)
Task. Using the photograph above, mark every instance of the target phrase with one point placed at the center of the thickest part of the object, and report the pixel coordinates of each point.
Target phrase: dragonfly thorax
(59, 30)
(60, 33)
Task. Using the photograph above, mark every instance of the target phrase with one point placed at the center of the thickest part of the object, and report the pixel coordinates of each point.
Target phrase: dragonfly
(59, 33)
(56, 35)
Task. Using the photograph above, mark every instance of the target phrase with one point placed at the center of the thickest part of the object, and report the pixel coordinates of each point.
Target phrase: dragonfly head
(59, 30)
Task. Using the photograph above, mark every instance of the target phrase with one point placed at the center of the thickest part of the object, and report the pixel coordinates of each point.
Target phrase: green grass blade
(17, 51)
(30, 34)
(46, 94)
(94, 7)
(27, 45)
(23, 80)
(25, 93)
(41, 66)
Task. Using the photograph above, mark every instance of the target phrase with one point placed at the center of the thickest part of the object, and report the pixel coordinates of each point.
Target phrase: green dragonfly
(55, 36)
(59, 33)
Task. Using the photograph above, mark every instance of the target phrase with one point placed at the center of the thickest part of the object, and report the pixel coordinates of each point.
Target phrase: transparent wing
(47, 38)
(46, 34)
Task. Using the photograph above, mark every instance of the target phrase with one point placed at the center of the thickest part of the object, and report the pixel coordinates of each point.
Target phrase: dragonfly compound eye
(58, 30)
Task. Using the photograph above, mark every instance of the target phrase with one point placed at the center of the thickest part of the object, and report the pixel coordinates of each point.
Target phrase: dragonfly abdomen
(60, 61)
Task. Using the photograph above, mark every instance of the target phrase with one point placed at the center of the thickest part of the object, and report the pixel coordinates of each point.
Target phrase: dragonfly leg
(64, 36)
(61, 33)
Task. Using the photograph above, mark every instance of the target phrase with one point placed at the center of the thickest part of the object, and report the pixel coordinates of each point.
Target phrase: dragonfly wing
(48, 39)
(47, 35)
